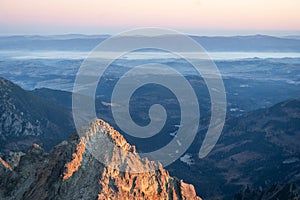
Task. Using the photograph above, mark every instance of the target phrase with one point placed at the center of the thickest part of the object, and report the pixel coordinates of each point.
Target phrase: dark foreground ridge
(25, 118)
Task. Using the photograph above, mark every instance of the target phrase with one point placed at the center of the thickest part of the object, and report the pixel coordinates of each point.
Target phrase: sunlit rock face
(70, 171)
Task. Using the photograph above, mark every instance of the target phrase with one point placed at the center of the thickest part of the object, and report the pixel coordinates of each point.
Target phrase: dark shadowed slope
(26, 118)
(259, 149)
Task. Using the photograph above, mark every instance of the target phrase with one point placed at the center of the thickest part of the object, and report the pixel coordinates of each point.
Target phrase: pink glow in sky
(99, 16)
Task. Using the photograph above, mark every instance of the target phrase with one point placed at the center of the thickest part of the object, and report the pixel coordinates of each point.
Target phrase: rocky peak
(70, 171)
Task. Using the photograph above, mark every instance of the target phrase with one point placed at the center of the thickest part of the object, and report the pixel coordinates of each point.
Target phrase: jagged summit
(70, 171)
(109, 147)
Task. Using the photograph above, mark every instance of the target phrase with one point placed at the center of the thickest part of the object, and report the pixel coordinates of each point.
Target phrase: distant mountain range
(77, 42)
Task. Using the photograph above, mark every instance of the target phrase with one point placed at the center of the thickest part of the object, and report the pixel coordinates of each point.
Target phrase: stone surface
(71, 172)
(26, 119)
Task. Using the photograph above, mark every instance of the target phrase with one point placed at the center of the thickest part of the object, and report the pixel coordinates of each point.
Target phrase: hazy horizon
(208, 34)
(196, 17)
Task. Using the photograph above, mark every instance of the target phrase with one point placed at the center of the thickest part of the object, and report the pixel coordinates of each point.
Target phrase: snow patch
(290, 160)
(173, 133)
(187, 158)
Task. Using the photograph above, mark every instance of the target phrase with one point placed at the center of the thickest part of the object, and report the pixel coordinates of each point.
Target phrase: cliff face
(71, 172)
(26, 118)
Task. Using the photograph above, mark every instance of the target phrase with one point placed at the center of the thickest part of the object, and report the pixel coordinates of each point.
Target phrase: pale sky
(204, 17)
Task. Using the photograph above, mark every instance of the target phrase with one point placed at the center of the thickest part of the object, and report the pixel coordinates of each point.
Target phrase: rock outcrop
(70, 171)
(26, 118)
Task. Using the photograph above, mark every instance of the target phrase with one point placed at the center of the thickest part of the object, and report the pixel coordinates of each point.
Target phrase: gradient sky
(204, 17)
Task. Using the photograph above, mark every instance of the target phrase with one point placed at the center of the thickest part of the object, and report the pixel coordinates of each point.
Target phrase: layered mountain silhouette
(75, 42)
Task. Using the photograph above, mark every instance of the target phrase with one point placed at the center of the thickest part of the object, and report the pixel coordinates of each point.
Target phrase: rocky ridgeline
(14, 121)
(26, 119)
(71, 172)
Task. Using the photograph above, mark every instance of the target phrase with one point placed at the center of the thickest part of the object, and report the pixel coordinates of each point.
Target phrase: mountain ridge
(26, 118)
(258, 148)
(71, 172)
(74, 42)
